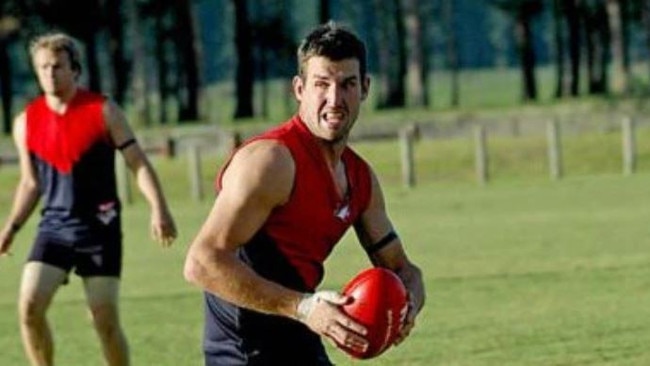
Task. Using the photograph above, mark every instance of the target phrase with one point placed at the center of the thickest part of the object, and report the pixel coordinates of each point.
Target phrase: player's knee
(31, 310)
(105, 319)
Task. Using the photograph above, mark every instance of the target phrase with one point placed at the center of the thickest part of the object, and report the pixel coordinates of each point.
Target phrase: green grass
(525, 274)
(519, 158)
(523, 271)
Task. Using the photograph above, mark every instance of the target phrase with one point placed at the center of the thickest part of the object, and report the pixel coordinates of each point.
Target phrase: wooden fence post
(481, 154)
(169, 148)
(629, 146)
(194, 164)
(554, 149)
(406, 137)
(123, 180)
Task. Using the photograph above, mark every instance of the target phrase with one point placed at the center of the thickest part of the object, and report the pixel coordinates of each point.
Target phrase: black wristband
(126, 144)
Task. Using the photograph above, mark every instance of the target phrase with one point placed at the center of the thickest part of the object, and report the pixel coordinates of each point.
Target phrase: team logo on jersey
(97, 259)
(343, 213)
(107, 212)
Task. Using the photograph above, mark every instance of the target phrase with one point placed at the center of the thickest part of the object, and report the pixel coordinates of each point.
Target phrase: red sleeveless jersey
(74, 158)
(309, 225)
(61, 139)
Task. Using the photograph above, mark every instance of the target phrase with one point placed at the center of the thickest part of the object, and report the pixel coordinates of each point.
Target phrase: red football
(380, 304)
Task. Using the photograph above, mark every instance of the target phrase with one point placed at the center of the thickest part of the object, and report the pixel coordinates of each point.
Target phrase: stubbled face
(330, 96)
(54, 72)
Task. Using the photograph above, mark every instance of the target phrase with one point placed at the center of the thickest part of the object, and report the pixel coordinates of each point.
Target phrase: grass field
(523, 271)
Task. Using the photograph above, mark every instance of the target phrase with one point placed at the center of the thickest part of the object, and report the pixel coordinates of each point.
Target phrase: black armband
(15, 228)
(381, 243)
(126, 144)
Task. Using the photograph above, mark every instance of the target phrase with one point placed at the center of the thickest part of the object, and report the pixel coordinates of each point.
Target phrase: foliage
(181, 71)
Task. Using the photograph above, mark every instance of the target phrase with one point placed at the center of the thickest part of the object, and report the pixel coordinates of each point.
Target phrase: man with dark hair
(66, 141)
(285, 199)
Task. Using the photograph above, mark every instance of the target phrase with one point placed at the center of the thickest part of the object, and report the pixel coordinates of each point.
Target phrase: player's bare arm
(26, 194)
(376, 233)
(163, 228)
(258, 179)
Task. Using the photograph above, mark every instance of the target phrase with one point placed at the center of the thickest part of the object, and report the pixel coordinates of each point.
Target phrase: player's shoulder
(266, 151)
(20, 117)
(264, 157)
(112, 113)
(263, 165)
(20, 120)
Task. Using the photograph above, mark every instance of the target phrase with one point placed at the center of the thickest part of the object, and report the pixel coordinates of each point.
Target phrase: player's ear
(365, 87)
(298, 87)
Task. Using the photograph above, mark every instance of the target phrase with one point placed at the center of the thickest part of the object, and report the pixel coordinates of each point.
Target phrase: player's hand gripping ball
(379, 302)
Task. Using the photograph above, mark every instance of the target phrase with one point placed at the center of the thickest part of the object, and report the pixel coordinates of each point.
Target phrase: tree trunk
(85, 28)
(324, 11)
(264, 78)
(397, 91)
(452, 51)
(523, 37)
(390, 36)
(573, 20)
(558, 21)
(189, 47)
(9, 27)
(92, 62)
(415, 70)
(596, 45)
(6, 87)
(138, 75)
(163, 63)
(116, 49)
(620, 75)
(245, 65)
(645, 14)
(381, 35)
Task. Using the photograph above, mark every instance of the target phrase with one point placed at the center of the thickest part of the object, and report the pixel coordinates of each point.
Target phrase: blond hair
(58, 42)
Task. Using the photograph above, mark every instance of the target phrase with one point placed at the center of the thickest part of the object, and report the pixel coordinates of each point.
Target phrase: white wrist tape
(305, 306)
(308, 301)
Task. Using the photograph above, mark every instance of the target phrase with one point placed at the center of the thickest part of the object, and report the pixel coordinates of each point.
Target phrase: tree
(324, 11)
(177, 54)
(274, 47)
(9, 26)
(620, 66)
(138, 76)
(115, 21)
(597, 44)
(569, 84)
(167, 79)
(453, 63)
(560, 81)
(389, 33)
(245, 64)
(523, 12)
(416, 73)
(645, 18)
(573, 19)
(189, 50)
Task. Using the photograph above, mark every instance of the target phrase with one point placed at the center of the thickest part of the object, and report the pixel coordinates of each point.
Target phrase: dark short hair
(58, 42)
(335, 42)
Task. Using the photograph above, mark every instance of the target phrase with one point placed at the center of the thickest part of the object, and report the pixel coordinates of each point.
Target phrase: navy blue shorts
(235, 336)
(97, 255)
